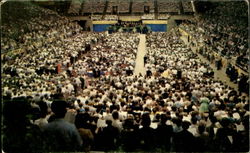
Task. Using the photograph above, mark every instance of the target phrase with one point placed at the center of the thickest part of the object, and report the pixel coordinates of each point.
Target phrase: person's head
(164, 118)
(58, 107)
(177, 121)
(201, 128)
(82, 119)
(213, 119)
(43, 109)
(109, 122)
(225, 122)
(185, 125)
(245, 122)
(222, 107)
(15, 112)
(146, 121)
(194, 120)
(8, 95)
(173, 108)
(115, 115)
(128, 123)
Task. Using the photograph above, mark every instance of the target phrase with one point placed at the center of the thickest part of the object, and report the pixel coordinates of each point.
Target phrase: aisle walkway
(139, 63)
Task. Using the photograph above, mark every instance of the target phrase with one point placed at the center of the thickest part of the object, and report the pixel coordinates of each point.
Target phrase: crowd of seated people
(148, 16)
(224, 38)
(75, 7)
(96, 17)
(167, 6)
(150, 4)
(38, 31)
(12, 38)
(122, 6)
(163, 16)
(227, 37)
(45, 52)
(96, 6)
(115, 55)
(111, 17)
(138, 6)
(35, 70)
(175, 106)
(78, 93)
(130, 26)
(87, 8)
(50, 67)
(173, 7)
(187, 6)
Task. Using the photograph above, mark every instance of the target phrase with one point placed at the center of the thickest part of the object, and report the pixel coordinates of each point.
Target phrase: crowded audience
(187, 6)
(38, 31)
(138, 6)
(167, 6)
(223, 43)
(76, 91)
(228, 37)
(121, 6)
(163, 16)
(75, 7)
(148, 16)
(96, 17)
(96, 6)
(111, 17)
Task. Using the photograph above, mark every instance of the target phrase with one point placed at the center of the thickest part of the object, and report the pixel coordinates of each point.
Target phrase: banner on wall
(157, 27)
(100, 27)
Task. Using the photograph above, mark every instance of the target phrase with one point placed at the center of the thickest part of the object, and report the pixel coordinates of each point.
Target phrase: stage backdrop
(100, 26)
(156, 25)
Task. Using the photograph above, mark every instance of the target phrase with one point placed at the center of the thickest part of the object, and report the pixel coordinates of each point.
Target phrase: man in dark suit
(61, 135)
(164, 133)
(110, 135)
(145, 60)
(184, 140)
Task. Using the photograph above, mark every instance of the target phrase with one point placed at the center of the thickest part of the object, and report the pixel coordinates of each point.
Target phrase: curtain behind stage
(158, 27)
(100, 27)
